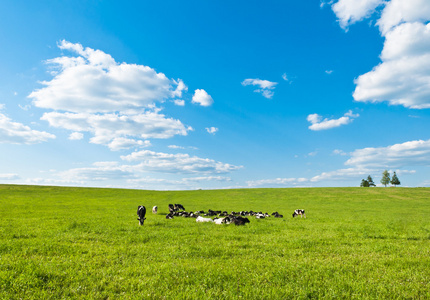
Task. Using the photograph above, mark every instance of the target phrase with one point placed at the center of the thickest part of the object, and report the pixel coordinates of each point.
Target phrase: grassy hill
(356, 243)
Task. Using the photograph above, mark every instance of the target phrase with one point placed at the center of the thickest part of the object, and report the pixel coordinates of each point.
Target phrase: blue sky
(214, 94)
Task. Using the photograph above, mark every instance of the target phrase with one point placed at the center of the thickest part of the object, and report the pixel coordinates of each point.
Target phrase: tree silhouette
(370, 181)
(395, 180)
(364, 183)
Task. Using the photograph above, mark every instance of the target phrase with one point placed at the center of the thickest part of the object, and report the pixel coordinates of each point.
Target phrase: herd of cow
(220, 217)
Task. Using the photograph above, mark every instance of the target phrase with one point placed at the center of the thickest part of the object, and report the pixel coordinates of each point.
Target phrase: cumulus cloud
(265, 87)
(115, 102)
(17, 133)
(179, 102)
(403, 77)
(95, 82)
(412, 153)
(202, 97)
(109, 129)
(403, 11)
(177, 163)
(318, 123)
(124, 143)
(351, 11)
(374, 160)
(211, 130)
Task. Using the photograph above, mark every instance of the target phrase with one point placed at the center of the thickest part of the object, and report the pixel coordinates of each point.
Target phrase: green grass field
(356, 243)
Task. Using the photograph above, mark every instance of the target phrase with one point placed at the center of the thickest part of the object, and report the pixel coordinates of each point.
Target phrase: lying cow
(171, 208)
(154, 209)
(201, 219)
(300, 212)
(141, 212)
(240, 220)
(220, 221)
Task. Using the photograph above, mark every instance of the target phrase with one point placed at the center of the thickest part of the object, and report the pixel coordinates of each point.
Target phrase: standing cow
(154, 209)
(299, 212)
(141, 212)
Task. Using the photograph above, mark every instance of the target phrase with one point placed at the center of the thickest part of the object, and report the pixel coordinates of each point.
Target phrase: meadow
(85, 243)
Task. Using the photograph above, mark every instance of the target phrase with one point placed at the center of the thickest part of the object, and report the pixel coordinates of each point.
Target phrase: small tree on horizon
(395, 180)
(385, 178)
(370, 181)
(364, 183)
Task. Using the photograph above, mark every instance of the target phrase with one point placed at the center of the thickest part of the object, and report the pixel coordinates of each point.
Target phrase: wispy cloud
(265, 87)
(318, 123)
(177, 163)
(17, 133)
(277, 182)
(212, 130)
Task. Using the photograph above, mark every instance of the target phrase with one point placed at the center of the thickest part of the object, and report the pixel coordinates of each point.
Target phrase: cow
(154, 209)
(179, 207)
(203, 220)
(219, 221)
(277, 215)
(171, 208)
(240, 220)
(300, 212)
(141, 212)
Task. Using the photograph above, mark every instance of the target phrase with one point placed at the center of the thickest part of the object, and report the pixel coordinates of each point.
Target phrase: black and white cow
(300, 212)
(154, 209)
(141, 212)
(179, 207)
(171, 208)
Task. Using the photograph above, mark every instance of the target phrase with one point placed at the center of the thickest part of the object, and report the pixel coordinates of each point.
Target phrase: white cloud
(351, 11)
(177, 163)
(374, 160)
(319, 124)
(277, 181)
(342, 175)
(109, 127)
(124, 143)
(207, 178)
(175, 147)
(339, 152)
(17, 133)
(94, 82)
(328, 72)
(101, 171)
(202, 97)
(76, 136)
(116, 103)
(403, 77)
(9, 176)
(211, 130)
(179, 102)
(265, 87)
(400, 11)
(412, 153)
(284, 76)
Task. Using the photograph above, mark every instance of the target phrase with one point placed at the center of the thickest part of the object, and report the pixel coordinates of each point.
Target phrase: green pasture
(83, 243)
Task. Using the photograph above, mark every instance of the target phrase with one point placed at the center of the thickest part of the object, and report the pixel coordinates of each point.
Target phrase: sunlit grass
(355, 243)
